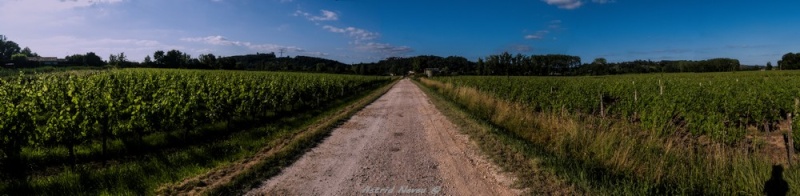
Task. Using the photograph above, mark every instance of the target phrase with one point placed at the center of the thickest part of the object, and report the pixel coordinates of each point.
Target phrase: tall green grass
(608, 156)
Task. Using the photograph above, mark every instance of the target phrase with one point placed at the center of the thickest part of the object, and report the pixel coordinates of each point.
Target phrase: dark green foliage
(721, 105)
(789, 61)
(7, 48)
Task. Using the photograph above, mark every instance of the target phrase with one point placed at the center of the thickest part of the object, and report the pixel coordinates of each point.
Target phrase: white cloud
(565, 4)
(537, 35)
(574, 4)
(318, 54)
(60, 46)
(603, 1)
(385, 49)
(48, 14)
(554, 25)
(533, 36)
(326, 15)
(363, 39)
(356, 33)
(222, 41)
(44, 6)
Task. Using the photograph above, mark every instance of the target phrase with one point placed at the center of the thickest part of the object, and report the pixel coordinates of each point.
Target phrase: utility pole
(281, 51)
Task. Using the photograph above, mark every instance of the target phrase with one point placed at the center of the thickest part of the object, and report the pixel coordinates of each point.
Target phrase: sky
(353, 31)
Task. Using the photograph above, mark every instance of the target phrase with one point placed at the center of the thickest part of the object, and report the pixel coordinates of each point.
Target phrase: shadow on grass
(776, 185)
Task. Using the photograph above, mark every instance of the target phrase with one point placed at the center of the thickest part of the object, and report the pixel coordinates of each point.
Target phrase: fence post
(789, 141)
(602, 107)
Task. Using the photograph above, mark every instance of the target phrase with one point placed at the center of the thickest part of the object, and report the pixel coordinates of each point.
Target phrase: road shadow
(776, 185)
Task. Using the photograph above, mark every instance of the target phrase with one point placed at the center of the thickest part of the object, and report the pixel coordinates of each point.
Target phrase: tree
(122, 59)
(481, 67)
(147, 61)
(91, 59)
(176, 59)
(27, 52)
(159, 57)
(117, 60)
(208, 60)
(769, 65)
(600, 61)
(112, 59)
(790, 61)
(76, 59)
(19, 59)
(7, 48)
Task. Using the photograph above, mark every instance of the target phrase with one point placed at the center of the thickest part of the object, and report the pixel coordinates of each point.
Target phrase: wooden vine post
(602, 107)
(635, 93)
(789, 140)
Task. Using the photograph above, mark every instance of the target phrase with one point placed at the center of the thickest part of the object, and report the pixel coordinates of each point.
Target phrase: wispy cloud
(317, 54)
(48, 13)
(356, 33)
(603, 1)
(222, 41)
(135, 49)
(518, 48)
(537, 35)
(661, 51)
(565, 4)
(573, 4)
(50, 5)
(326, 15)
(540, 34)
(363, 40)
(385, 49)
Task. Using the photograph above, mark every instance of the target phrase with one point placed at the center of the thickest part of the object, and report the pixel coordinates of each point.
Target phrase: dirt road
(398, 145)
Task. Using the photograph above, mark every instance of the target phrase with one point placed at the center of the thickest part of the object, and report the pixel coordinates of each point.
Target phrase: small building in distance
(46, 60)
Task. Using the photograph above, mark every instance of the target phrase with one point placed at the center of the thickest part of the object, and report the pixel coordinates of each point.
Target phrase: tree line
(11, 55)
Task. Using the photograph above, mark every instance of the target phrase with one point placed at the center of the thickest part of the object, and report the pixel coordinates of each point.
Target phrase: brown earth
(399, 144)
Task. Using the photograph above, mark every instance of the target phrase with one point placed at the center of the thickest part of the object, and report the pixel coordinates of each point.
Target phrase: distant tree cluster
(88, 59)
(259, 61)
(454, 65)
(500, 64)
(522, 65)
(789, 61)
(10, 52)
(601, 67)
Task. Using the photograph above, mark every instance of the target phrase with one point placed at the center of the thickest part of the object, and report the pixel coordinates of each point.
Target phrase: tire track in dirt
(398, 144)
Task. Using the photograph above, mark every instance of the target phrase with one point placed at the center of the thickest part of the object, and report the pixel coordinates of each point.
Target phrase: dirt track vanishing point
(399, 144)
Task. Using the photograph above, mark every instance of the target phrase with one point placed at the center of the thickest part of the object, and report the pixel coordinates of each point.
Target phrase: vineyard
(721, 105)
(41, 114)
(645, 134)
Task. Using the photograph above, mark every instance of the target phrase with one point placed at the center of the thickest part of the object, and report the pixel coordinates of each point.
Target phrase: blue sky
(355, 31)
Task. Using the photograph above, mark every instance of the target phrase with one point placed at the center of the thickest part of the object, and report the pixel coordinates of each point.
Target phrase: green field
(128, 131)
(688, 133)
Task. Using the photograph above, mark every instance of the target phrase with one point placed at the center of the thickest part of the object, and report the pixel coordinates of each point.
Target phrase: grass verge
(601, 156)
(513, 154)
(233, 179)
